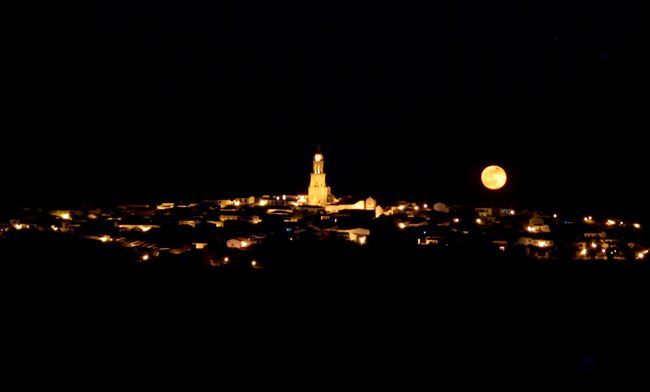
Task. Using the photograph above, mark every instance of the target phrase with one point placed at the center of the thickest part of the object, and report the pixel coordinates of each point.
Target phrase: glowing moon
(494, 177)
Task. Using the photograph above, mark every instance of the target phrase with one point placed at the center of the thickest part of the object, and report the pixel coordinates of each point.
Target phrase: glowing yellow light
(531, 229)
(318, 157)
(54, 228)
(402, 225)
(145, 257)
(104, 238)
(284, 197)
(555, 216)
(583, 252)
(502, 248)
(456, 220)
(263, 203)
(425, 206)
(362, 240)
(237, 203)
(494, 177)
(401, 208)
(65, 216)
(637, 225)
(144, 228)
(18, 226)
(640, 256)
(226, 259)
(417, 208)
(512, 212)
(244, 244)
(302, 199)
(253, 263)
(542, 244)
(594, 245)
(479, 221)
(603, 251)
(610, 222)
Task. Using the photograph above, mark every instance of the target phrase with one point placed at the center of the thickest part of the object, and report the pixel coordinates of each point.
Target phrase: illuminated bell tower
(318, 189)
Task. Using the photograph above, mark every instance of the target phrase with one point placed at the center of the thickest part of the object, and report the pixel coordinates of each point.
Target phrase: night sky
(126, 99)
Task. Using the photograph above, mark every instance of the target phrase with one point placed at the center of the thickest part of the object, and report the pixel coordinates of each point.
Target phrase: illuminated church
(319, 194)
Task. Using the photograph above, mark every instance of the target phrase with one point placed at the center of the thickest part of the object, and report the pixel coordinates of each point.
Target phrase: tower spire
(318, 189)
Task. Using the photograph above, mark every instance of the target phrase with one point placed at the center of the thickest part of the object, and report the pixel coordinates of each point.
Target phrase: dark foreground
(76, 314)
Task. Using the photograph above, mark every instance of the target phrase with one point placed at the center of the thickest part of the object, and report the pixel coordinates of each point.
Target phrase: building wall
(318, 190)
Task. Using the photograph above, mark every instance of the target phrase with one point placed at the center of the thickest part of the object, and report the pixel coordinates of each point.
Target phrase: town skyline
(469, 189)
(200, 227)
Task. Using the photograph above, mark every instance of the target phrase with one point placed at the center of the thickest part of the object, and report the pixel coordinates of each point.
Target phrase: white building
(244, 242)
(358, 235)
(536, 242)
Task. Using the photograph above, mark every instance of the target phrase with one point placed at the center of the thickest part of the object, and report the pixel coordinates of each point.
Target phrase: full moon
(494, 177)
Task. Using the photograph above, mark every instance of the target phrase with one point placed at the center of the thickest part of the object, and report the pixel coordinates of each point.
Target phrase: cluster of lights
(531, 229)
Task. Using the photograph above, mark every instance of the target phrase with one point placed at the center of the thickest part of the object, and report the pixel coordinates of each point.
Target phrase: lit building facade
(318, 193)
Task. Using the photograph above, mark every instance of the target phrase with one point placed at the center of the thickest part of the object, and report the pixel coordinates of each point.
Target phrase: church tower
(318, 190)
